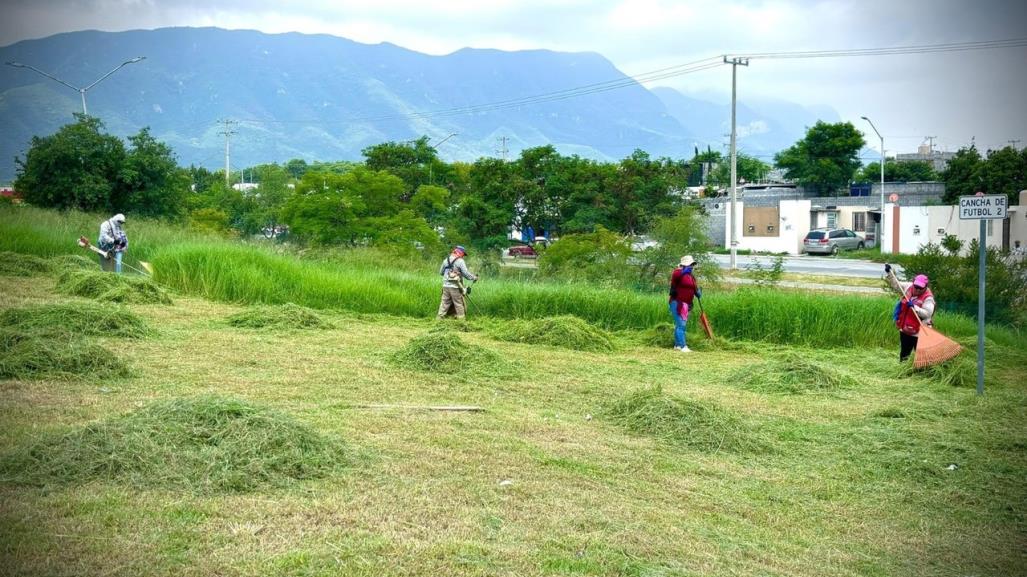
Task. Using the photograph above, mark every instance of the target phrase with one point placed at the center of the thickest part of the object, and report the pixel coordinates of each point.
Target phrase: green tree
(152, 182)
(1005, 172)
(268, 199)
(963, 175)
(76, 167)
(904, 171)
(411, 161)
(600, 257)
(747, 167)
(825, 159)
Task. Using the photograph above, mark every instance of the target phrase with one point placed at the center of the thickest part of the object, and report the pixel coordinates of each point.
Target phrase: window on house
(991, 226)
(832, 219)
(859, 221)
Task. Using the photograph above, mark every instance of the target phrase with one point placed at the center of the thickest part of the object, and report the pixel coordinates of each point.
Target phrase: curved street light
(880, 226)
(81, 91)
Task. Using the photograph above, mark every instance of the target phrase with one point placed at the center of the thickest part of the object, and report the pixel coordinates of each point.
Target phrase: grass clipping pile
(441, 350)
(205, 444)
(107, 287)
(563, 331)
(16, 264)
(287, 316)
(50, 340)
(698, 425)
(793, 374)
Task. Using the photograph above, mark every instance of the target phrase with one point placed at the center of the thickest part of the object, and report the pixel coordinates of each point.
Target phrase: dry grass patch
(24, 355)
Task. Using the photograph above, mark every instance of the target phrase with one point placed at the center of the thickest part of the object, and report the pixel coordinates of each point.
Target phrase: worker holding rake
(914, 311)
(683, 291)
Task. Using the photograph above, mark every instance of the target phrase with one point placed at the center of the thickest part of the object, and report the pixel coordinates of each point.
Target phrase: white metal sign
(985, 207)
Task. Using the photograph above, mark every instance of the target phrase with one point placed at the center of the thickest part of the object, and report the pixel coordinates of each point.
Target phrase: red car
(522, 250)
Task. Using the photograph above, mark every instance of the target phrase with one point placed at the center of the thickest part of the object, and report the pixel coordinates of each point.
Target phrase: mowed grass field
(743, 458)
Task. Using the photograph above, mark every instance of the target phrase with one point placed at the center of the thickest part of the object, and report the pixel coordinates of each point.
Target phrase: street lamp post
(880, 224)
(431, 165)
(81, 91)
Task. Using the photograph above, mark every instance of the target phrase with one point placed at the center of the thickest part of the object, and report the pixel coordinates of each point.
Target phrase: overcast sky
(952, 96)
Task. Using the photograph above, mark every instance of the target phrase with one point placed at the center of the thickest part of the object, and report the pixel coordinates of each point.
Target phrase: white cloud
(954, 95)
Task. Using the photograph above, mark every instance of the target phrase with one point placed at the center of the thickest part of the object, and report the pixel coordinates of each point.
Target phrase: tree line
(401, 192)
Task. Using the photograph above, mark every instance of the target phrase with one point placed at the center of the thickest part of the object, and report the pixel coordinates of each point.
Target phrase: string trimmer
(84, 243)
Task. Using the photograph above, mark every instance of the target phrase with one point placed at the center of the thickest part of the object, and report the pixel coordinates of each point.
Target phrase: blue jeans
(679, 325)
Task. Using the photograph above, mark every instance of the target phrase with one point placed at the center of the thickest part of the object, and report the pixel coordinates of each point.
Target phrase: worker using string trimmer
(454, 271)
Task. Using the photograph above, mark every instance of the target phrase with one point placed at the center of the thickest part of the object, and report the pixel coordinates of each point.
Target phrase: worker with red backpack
(914, 310)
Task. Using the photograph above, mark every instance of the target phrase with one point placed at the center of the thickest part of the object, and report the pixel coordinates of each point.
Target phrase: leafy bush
(954, 281)
(600, 257)
(766, 277)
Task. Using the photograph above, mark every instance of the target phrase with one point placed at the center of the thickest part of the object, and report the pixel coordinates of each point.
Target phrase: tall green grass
(242, 273)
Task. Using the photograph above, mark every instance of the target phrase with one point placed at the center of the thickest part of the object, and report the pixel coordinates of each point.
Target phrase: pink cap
(920, 280)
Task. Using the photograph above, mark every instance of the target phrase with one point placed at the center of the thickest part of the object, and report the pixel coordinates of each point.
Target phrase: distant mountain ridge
(320, 97)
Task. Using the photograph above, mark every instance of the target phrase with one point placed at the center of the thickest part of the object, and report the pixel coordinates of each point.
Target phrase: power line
(921, 49)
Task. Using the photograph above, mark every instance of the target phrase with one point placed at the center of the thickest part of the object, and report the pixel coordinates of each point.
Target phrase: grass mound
(73, 262)
(25, 355)
(698, 425)
(17, 264)
(82, 319)
(792, 373)
(108, 287)
(960, 371)
(561, 331)
(287, 316)
(442, 350)
(206, 444)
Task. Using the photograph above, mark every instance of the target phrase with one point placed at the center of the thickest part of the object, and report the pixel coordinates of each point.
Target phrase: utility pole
(1014, 142)
(734, 62)
(502, 146)
(930, 145)
(228, 132)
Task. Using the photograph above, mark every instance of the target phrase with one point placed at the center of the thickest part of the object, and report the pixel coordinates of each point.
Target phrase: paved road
(812, 265)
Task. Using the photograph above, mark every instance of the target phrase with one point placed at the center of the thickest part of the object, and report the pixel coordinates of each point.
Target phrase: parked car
(831, 241)
(522, 251)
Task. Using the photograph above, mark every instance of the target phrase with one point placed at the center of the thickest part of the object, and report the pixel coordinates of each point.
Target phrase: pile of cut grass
(287, 316)
(960, 371)
(73, 262)
(792, 373)
(565, 331)
(28, 355)
(15, 264)
(205, 444)
(78, 319)
(107, 287)
(698, 425)
(441, 350)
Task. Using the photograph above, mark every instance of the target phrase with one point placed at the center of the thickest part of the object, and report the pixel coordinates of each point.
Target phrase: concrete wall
(919, 225)
(1018, 223)
(793, 226)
